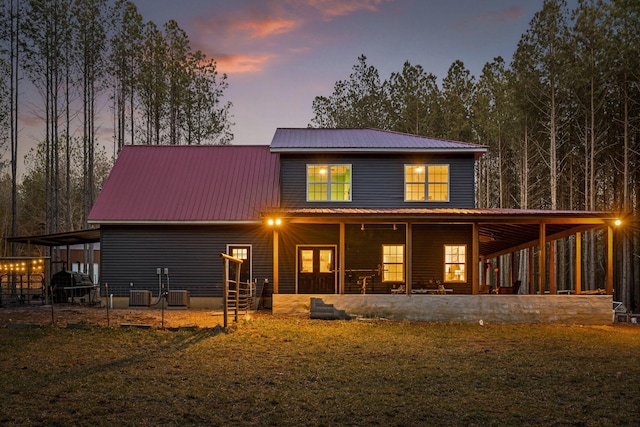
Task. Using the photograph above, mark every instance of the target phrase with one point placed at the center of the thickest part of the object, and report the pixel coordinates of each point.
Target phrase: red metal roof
(363, 140)
(189, 184)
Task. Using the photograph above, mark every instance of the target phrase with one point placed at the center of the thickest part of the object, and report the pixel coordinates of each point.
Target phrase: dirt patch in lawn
(72, 315)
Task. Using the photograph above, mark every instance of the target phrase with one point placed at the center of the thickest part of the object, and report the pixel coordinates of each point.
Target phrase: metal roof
(195, 184)
(60, 239)
(500, 230)
(287, 140)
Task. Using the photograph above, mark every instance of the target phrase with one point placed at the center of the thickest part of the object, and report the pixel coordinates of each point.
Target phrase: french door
(316, 270)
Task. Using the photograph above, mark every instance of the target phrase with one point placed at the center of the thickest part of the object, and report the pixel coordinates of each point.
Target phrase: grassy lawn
(290, 371)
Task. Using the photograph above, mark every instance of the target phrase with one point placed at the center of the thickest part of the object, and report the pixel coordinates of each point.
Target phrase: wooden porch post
(409, 254)
(475, 259)
(530, 271)
(542, 259)
(275, 261)
(552, 267)
(341, 262)
(609, 284)
(512, 268)
(578, 264)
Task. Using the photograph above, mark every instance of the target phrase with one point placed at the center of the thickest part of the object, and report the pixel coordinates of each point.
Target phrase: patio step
(320, 310)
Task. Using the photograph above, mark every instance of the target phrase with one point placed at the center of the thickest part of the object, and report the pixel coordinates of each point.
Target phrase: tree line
(91, 62)
(561, 121)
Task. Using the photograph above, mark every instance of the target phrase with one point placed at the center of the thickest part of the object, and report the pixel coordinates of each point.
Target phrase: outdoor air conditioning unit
(178, 299)
(139, 298)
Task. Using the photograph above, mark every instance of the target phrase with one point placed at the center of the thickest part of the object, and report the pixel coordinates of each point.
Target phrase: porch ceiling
(500, 239)
(501, 231)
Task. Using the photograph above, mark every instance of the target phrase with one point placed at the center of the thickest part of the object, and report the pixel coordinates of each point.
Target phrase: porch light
(274, 222)
(617, 222)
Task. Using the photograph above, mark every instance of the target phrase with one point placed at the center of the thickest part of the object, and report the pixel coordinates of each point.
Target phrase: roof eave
(175, 222)
(379, 150)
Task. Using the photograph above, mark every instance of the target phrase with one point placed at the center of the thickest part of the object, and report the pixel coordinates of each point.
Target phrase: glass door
(316, 270)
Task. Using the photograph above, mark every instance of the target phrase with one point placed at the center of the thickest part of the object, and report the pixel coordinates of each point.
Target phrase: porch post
(552, 267)
(341, 260)
(475, 267)
(542, 258)
(578, 264)
(275, 261)
(609, 284)
(530, 271)
(409, 255)
(512, 268)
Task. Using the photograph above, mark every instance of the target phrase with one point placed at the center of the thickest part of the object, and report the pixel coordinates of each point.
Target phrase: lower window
(393, 263)
(455, 259)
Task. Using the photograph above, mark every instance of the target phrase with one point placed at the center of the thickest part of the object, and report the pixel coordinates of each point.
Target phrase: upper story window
(329, 183)
(426, 183)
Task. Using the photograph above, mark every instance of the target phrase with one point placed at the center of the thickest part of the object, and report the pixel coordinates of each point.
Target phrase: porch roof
(500, 230)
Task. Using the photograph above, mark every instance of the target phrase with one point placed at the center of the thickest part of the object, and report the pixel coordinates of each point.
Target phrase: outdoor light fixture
(274, 222)
(617, 222)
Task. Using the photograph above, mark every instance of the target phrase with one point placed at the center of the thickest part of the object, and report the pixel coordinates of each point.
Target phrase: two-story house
(337, 213)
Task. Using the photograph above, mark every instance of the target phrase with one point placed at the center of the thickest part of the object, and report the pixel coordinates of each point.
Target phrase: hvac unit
(178, 299)
(139, 298)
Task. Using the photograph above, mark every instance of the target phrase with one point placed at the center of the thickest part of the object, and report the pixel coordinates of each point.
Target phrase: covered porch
(488, 237)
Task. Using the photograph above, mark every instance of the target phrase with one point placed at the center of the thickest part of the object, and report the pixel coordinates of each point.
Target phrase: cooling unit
(139, 298)
(178, 299)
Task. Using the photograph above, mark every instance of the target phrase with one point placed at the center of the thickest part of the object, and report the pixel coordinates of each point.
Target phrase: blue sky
(280, 54)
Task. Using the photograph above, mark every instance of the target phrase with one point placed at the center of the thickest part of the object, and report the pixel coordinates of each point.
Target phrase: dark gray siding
(377, 179)
(131, 254)
(364, 252)
(428, 253)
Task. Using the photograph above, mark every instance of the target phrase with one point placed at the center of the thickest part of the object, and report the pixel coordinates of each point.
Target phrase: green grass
(290, 371)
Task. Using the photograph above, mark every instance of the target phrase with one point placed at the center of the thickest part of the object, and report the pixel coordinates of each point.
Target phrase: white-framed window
(393, 263)
(426, 183)
(328, 183)
(242, 252)
(455, 261)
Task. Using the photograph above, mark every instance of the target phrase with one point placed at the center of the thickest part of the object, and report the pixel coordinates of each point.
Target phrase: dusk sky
(280, 54)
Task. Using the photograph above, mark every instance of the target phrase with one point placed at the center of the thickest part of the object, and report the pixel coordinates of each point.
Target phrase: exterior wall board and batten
(377, 180)
(191, 253)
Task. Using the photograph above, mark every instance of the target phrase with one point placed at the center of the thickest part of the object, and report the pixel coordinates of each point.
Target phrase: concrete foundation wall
(566, 309)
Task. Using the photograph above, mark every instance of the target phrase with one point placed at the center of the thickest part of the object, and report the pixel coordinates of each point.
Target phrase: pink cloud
(242, 63)
(265, 28)
(334, 8)
(31, 120)
(243, 32)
